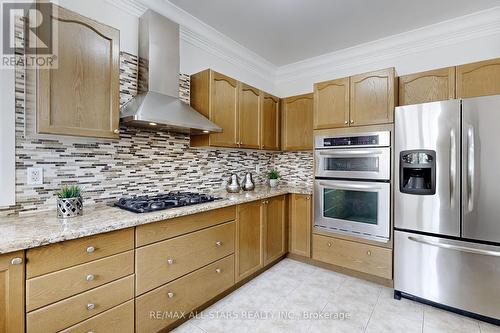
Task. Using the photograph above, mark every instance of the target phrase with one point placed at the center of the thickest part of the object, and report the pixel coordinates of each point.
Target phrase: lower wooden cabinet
(161, 307)
(360, 257)
(300, 225)
(274, 229)
(12, 292)
(249, 239)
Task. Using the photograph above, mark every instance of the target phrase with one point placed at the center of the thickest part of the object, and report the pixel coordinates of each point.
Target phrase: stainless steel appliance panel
(360, 163)
(481, 168)
(459, 274)
(435, 127)
(353, 207)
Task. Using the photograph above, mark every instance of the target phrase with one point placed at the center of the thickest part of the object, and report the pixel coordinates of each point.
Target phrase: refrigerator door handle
(453, 166)
(455, 247)
(470, 169)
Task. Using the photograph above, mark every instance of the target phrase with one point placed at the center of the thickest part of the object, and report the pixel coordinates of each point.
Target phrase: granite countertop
(29, 231)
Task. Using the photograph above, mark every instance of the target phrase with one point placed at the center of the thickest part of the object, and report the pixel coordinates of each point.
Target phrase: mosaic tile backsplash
(142, 161)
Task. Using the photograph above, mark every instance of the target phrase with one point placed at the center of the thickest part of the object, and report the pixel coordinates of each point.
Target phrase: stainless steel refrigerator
(447, 205)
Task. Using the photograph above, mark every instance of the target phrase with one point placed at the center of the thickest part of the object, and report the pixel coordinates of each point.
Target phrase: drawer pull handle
(369, 252)
(90, 332)
(90, 249)
(218, 270)
(170, 261)
(90, 306)
(329, 244)
(170, 295)
(16, 261)
(90, 277)
(218, 243)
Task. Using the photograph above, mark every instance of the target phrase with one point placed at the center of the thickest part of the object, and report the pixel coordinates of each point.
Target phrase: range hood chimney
(157, 103)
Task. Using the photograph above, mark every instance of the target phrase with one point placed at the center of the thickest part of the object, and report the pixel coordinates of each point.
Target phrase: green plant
(273, 174)
(67, 192)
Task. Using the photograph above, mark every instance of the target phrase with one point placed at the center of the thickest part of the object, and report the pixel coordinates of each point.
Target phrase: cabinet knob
(369, 252)
(90, 306)
(170, 295)
(218, 243)
(346, 122)
(329, 244)
(308, 198)
(352, 121)
(218, 270)
(90, 277)
(170, 261)
(90, 332)
(90, 249)
(116, 131)
(16, 261)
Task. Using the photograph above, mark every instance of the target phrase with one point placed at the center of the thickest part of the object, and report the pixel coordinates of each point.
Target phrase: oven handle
(353, 186)
(352, 152)
(455, 247)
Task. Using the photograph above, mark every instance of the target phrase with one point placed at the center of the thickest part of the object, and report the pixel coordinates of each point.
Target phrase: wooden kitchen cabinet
(478, 79)
(331, 104)
(270, 122)
(274, 229)
(430, 86)
(297, 126)
(249, 239)
(12, 292)
(300, 225)
(81, 96)
(249, 117)
(372, 98)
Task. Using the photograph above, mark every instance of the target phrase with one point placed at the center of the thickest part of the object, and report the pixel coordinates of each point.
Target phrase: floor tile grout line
(373, 310)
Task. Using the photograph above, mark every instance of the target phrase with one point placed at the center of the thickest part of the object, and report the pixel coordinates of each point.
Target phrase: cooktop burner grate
(146, 203)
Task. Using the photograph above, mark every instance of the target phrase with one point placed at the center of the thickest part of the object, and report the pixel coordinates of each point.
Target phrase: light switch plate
(35, 176)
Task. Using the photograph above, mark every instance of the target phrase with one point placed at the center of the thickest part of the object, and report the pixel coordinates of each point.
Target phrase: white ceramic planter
(273, 182)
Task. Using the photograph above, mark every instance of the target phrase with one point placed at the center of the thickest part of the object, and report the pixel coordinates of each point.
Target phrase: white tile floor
(277, 300)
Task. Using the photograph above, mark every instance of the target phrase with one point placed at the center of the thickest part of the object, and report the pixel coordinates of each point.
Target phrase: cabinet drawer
(155, 232)
(54, 257)
(53, 287)
(183, 295)
(117, 320)
(163, 262)
(63, 314)
(356, 256)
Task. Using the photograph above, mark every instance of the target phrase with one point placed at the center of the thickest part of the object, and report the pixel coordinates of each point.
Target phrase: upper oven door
(356, 163)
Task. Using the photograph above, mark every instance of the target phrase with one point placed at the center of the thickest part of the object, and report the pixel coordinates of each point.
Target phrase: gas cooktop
(146, 203)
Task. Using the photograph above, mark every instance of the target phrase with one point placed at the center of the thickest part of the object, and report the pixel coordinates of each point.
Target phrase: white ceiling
(287, 31)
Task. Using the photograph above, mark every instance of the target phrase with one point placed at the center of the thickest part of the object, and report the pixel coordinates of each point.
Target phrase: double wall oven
(352, 188)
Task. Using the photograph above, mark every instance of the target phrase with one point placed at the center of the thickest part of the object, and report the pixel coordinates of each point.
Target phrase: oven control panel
(377, 139)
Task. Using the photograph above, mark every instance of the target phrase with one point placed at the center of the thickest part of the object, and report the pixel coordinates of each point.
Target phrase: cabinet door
(298, 122)
(372, 98)
(430, 86)
(12, 292)
(300, 225)
(81, 96)
(224, 110)
(249, 117)
(249, 257)
(274, 229)
(270, 124)
(331, 104)
(478, 79)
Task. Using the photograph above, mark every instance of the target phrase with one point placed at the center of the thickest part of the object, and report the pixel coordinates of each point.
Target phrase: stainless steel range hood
(158, 104)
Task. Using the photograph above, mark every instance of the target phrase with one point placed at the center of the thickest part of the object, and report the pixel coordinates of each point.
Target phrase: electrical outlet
(257, 168)
(35, 176)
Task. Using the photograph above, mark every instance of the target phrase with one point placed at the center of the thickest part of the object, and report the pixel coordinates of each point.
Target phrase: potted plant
(273, 177)
(69, 201)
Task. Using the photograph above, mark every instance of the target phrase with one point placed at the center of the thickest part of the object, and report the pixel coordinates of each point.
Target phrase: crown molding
(132, 7)
(457, 30)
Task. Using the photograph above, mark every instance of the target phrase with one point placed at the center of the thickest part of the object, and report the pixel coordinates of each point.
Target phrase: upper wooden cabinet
(297, 122)
(81, 97)
(478, 79)
(12, 292)
(372, 98)
(429, 86)
(249, 239)
(249, 117)
(331, 104)
(274, 229)
(270, 122)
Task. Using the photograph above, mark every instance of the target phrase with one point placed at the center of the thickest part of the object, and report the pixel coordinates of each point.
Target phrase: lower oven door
(358, 208)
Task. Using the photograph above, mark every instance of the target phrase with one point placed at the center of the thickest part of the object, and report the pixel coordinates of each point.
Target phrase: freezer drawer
(459, 274)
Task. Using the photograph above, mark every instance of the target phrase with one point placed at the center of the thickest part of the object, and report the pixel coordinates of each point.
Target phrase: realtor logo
(27, 35)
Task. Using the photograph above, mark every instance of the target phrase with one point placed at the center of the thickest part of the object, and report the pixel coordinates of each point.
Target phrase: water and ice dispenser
(417, 172)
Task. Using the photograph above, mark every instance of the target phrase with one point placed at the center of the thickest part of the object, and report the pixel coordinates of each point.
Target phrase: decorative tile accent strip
(142, 161)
